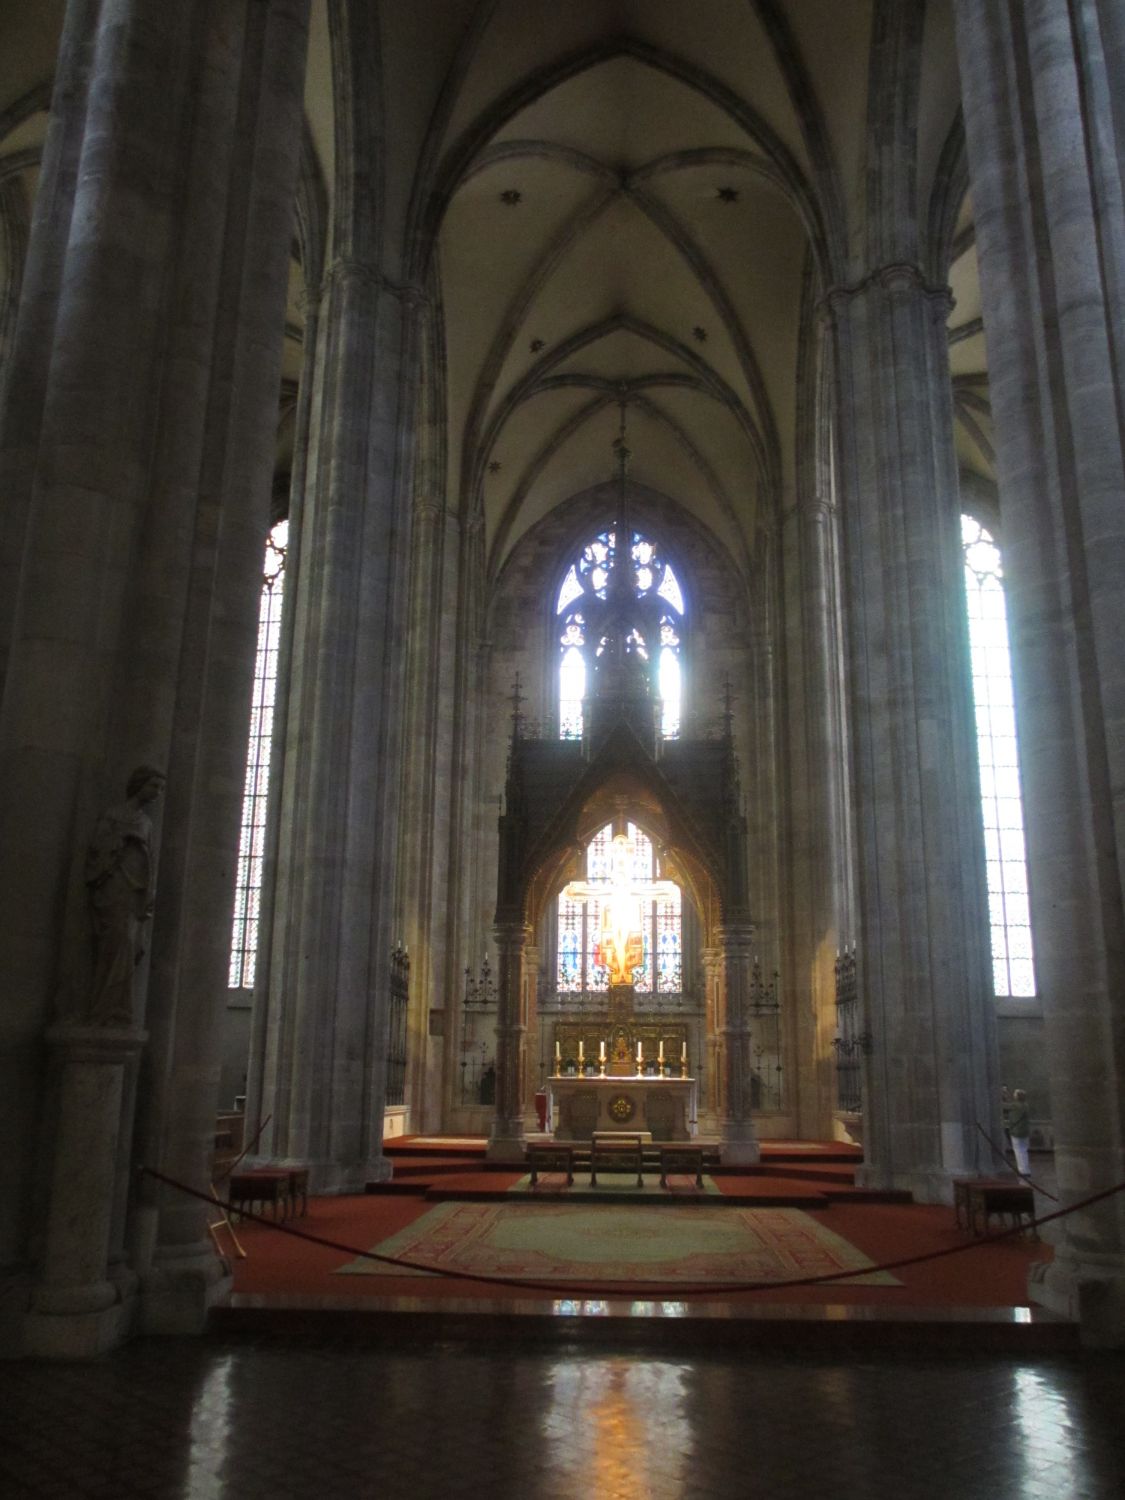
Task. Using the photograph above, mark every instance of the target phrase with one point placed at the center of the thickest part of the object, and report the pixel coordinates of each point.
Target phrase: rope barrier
(652, 1288)
(1024, 1177)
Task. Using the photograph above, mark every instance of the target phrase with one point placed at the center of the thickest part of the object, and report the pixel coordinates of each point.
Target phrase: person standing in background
(1018, 1124)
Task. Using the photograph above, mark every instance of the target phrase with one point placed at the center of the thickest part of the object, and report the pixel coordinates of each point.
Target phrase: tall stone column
(508, 1140)
(814, 751)
(106, 446)
(429, 792)
(739, 1140)
(77, 1311)
(711, 1102)
(207, 756)
(324, 1014)
(28, 357)
(531, 1018)
(1043, 86)
(924, 960)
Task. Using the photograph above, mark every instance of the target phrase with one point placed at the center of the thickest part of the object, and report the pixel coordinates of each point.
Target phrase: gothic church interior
(646, 411)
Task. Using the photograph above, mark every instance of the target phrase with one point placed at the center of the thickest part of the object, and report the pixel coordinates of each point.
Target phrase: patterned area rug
(597, 1242)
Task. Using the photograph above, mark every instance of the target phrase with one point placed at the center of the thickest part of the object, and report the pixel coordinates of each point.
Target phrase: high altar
(665, 1107)
(602, 1081)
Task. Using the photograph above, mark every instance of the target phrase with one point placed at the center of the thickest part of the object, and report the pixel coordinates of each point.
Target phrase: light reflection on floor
(268, 1418)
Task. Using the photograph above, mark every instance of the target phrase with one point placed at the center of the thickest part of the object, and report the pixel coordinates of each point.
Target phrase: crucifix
(620, 944)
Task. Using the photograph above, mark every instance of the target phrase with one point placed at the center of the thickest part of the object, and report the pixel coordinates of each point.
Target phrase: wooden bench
(977, 1199)
(551, 1156)
(677, 1158)
(617, 1151)
(262, 1185)
(299, 1188)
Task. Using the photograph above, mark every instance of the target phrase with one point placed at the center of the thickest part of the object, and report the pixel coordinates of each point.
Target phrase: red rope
(653, 1288)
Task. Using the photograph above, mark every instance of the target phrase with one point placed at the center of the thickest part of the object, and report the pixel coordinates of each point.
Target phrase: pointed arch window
(587, 578)
(251, 848)
(1001, 801)
(582, 965)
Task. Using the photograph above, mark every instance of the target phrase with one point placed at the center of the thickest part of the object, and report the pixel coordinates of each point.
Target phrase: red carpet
(988, 1275)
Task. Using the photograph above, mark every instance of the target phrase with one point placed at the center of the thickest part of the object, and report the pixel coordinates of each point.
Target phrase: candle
(683, 1054)
(640, 1051)
(558, 1056)
(581, 1052)
(661, 1057)
(601, 1052)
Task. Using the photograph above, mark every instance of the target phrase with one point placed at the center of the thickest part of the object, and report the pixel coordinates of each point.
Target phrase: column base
(182, 1288)
(739, 1144)
(508, 1141)
(925, 1184)
(1091, 1296)
(85, 1335)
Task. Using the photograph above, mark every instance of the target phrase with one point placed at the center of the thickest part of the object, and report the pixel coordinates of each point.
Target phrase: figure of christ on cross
(620, 944)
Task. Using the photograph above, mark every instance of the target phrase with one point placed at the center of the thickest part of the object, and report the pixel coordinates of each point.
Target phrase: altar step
(800, 1173)
(421, 1147)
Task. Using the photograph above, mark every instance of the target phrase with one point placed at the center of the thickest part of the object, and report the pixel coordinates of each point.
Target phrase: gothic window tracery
(1001, 801)
(581, 961)
(251, 849)
(652, 579)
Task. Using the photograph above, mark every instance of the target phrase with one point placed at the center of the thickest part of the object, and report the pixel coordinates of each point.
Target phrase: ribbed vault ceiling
(618, 201)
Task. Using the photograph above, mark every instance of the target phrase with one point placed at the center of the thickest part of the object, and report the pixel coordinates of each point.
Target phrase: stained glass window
(248, 886)
(1001, 802)
(657, 912)
(588, 576)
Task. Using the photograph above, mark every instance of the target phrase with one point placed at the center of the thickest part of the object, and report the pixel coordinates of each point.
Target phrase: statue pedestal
(76, 1309)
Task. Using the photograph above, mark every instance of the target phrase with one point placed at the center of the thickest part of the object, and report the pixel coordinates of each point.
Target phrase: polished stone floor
(249, 1418)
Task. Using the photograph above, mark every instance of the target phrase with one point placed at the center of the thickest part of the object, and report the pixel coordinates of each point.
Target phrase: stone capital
(895, 277)
(737, 934)
(348, 271)
(511, 933)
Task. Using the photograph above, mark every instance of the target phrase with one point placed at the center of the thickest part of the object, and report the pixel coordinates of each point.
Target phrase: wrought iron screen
(765, 1041)
(850, 1043)
(478, 1038)
(396, 1037)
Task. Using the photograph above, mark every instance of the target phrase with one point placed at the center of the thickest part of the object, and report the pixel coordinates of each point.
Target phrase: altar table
(665, 1107)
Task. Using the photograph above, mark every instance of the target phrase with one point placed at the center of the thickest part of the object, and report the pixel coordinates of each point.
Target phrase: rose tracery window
(588, 578)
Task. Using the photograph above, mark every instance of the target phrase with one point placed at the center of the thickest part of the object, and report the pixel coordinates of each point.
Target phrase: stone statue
(120, 890)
